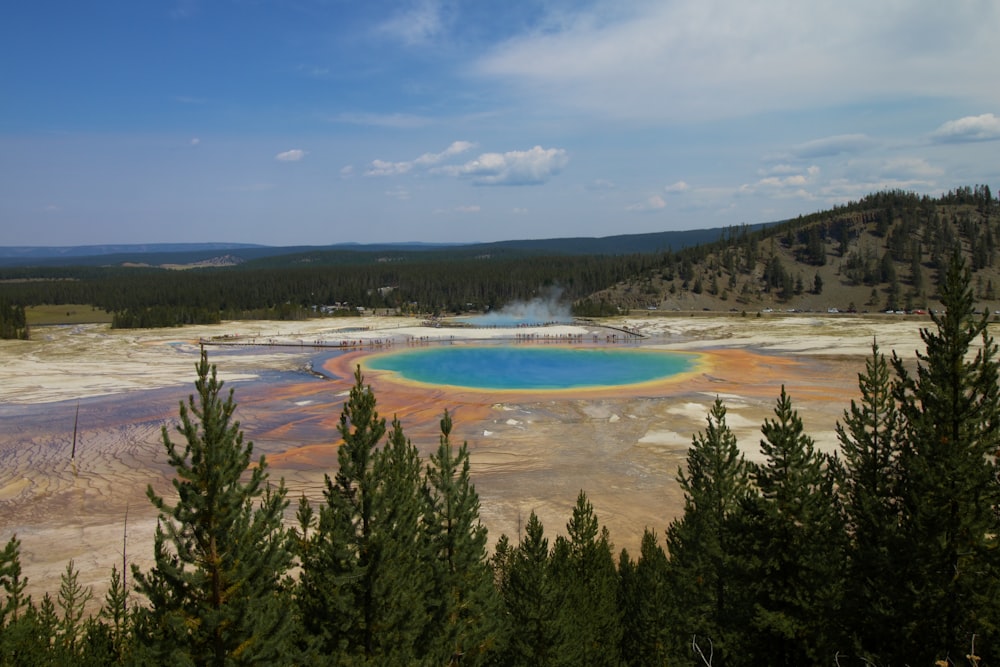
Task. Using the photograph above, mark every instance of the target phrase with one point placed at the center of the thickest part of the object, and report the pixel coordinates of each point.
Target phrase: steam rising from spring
(546, 308)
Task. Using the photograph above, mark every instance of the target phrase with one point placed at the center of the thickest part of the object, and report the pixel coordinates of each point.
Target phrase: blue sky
(288, 122)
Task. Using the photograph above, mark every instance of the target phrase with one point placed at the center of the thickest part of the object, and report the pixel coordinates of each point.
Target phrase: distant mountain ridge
(158, 254)
(48, 252)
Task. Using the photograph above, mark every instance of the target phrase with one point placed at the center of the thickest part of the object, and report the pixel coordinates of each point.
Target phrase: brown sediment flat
(530, 451)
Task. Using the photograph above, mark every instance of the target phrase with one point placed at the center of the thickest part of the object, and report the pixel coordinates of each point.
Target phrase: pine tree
(366, 570)
(216, 593)
(115, 614)
(951, 408)
(870, 443)
(464, 629)
(72, 600)
(11, 581)
(531, 601)
(401, 573)
(644, 602)
(700, 543)
(796, 552)
(584, 570)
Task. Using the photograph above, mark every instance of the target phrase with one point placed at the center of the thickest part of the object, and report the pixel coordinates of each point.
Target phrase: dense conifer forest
(885, 554)
(886, 251)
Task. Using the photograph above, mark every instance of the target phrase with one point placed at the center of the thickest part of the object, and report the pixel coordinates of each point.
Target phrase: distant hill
(882, 253)
(177, 255)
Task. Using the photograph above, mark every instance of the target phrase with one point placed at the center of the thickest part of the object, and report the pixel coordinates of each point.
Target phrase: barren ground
(529, 452)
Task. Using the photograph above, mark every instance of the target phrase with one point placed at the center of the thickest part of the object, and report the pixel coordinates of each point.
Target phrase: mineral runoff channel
(530, 451)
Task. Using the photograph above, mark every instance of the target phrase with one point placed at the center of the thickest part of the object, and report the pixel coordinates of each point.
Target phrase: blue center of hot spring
(503, 367)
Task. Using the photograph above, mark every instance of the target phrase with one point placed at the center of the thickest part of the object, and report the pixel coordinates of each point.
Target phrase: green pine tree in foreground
(217, 594)
(949, 491)
(888, 556)
(464, 620)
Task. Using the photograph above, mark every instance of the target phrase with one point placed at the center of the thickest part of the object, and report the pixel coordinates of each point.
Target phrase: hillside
(881, 253)
(189, 255)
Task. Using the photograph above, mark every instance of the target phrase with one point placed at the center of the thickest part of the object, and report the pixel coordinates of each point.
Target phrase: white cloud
(677, 188)
(831, 146)
(396, 120)
(425, 161)
(417, 25)
(654, 203)
(402, 194)
(909, 168)
(293, 155)
(531, 167)
(195, 141)
(347, 171)
(703, 59)
(468, 209)
(601, 184)
(252, 187)
(985, 127)
(519, 211)
(787, 183)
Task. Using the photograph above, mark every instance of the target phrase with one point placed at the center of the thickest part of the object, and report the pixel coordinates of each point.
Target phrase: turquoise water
(503, 367)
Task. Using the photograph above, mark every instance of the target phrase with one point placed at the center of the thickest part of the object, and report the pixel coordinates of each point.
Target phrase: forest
(883, 554)
(885, 251)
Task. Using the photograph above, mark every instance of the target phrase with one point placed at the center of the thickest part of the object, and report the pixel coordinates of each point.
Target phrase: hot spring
(502, 367)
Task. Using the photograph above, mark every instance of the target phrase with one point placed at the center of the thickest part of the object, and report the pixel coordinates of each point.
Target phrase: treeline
(147, 297)
(895, 242)
(884, 555)
(13, 321)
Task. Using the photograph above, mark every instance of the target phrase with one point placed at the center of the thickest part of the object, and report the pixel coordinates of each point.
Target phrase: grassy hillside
(881, 253)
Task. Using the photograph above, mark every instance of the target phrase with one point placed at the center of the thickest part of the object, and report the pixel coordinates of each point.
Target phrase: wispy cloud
(425, 161)
(985, 127)
(394, 120)
(785, 184)
(677, 188)
(293, 155)
(654, 203)
(600, 185)
(251, 187)
(830, 146)
(531, 167)
(416, 25)
(184, 9)
(703, 59)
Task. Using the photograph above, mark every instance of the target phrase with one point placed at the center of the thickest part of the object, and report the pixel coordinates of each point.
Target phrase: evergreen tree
(583, 568)
(116, 616)
(12, 583)
(795, 547)
(72, 600)
(401, 570)
(336, 600)
(700, 543)
(464, 628)
(950, 491)
(870, 443)
(365, 570)
(644, 602)
(531, 601)
(216, 592)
